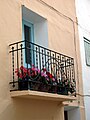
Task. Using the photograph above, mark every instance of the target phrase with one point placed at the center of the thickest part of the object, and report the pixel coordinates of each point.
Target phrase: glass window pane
(87, 51)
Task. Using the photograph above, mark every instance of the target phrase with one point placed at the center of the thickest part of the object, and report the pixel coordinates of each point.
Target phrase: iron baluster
(42, 59)
(21, 56)
(39, 59)
(13, 65)
(55, 66)
(48, 60)
(30, 55)
(51, 62)
(45, 56)
(58, 72)
(17, 59)
(36, 58)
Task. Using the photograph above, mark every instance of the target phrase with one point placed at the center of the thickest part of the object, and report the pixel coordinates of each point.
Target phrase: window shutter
(87, 52)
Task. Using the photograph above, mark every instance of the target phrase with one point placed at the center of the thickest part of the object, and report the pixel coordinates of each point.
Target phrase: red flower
(23, 69)
(49, 75)
(22, 72)
(44, 69)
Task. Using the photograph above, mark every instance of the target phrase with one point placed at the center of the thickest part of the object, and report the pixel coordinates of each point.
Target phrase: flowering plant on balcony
(68, 84)
(34, 73)
(46, 79)
(23, 72)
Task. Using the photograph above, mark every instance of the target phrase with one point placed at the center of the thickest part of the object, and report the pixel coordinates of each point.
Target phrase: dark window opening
(65, 115)
(27, 36)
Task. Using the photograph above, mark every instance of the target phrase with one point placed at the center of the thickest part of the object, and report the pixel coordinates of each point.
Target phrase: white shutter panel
(87, 52)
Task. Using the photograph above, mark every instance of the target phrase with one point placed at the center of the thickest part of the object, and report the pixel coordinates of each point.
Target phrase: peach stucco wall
(61, 39)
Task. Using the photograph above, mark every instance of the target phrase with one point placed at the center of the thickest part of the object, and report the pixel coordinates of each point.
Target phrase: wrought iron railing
(37, 68)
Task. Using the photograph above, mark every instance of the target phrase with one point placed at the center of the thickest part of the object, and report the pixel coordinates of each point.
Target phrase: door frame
(29, 24)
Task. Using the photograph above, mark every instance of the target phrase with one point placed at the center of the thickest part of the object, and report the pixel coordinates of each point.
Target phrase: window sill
(40, 96)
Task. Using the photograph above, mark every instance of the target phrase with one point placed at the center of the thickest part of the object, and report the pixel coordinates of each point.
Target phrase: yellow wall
(61, 39)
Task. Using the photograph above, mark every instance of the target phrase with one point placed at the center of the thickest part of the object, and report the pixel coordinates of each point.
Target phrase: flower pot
(53, 89)
(45, 87)
(23, 84)
(34, 85)
(62, 90)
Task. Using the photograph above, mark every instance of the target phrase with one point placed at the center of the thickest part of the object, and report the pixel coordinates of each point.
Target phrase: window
(40, 26)
(28, 38)
(87, 51)
(28, 34)
(34, 29)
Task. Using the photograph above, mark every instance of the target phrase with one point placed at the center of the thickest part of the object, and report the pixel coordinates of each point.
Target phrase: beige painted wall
(61, 39)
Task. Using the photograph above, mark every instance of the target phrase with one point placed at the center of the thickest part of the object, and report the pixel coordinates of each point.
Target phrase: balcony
(40, 72)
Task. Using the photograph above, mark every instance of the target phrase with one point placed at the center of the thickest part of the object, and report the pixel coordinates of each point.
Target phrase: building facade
(27, 26)
(84, 36)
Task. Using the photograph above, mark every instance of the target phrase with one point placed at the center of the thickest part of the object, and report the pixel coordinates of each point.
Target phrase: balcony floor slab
(41, 96)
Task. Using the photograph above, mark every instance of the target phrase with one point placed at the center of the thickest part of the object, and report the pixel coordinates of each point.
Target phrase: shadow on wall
(27, 109)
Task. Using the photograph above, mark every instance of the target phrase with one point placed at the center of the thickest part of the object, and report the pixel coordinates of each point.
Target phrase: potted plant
(66, 86)
(27, 77)
(42, 80)
(47, 80)
(35, 79)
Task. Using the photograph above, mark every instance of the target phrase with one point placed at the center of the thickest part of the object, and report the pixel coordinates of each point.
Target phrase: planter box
(62, 90)
(39, 86)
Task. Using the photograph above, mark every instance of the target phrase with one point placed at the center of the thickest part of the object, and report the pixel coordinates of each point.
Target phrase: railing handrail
(42, 47)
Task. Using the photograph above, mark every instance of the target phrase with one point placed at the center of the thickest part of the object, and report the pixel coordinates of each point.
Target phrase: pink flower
(53, 79)
(43, 74)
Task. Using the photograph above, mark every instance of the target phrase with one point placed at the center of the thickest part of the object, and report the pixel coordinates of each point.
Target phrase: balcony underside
(41, 96)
